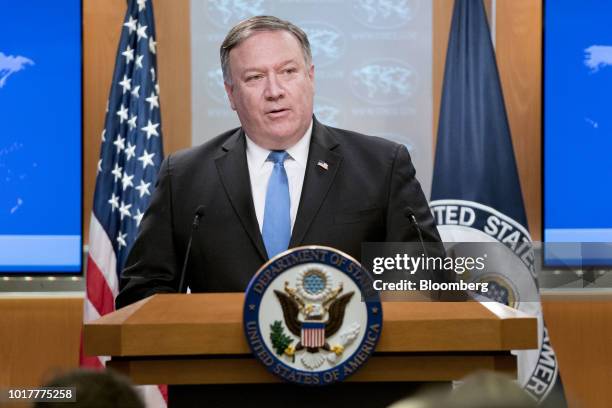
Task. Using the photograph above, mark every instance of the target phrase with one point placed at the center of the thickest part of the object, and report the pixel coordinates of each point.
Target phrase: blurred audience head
(479, 390)
(490, 390)
(95, 389)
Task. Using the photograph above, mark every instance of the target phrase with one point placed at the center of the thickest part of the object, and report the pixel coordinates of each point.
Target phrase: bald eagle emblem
(314, 311)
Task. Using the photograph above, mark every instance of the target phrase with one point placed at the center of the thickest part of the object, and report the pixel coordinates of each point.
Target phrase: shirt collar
(298, 152)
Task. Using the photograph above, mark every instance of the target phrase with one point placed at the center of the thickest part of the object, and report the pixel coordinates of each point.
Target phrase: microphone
(409, 213)
(440, 295)
(199, 212)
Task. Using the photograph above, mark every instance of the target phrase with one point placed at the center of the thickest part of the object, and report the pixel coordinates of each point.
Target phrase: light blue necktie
(276, 229)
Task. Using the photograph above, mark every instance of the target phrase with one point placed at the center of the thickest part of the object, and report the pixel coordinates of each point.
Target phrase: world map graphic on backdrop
(577, 132)
(40, 137)
(597, 57)
(10, 64)
(18, 170)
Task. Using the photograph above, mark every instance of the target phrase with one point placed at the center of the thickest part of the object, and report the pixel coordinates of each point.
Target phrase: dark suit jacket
(361, 197)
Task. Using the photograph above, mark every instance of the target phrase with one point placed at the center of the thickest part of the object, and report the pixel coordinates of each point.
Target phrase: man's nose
(273, 90)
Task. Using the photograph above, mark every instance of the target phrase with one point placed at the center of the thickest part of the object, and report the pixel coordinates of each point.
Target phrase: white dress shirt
(260, 170)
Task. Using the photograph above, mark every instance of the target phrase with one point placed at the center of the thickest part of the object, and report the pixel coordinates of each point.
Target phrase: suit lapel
(234, 174)
(317, 180)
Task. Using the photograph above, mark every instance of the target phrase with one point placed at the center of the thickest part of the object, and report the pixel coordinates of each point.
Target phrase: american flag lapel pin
(323, 165)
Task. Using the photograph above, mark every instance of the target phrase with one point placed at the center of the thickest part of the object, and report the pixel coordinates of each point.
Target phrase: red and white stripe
(102, 287)
(313, 337)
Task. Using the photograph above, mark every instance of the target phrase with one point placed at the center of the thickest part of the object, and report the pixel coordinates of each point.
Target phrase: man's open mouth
(277, 111)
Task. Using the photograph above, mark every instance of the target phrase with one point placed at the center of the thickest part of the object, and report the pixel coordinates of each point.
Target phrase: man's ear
(311, 75)
(229, 89)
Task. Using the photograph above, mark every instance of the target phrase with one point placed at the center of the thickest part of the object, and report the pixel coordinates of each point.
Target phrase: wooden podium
(198, 339)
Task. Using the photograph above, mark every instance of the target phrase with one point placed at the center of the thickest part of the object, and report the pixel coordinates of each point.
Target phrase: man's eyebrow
(282, 64)
(259, 69)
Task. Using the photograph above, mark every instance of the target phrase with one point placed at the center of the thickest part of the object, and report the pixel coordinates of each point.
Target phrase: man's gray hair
(250, 26)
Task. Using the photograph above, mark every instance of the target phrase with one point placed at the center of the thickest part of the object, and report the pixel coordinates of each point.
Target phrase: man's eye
(253, 77)
(290, 70)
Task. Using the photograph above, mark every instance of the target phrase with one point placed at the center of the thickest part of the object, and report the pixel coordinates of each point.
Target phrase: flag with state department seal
(476, 194)
(311, 315)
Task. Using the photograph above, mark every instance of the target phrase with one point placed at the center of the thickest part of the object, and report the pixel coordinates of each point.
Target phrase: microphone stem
(194, 226)
(418, 230)
(185, 262)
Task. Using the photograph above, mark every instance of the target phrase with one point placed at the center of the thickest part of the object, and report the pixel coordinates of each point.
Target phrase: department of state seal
(305, 318)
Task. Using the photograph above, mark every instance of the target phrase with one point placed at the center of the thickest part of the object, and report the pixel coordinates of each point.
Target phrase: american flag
(313, 334)
(130, 156)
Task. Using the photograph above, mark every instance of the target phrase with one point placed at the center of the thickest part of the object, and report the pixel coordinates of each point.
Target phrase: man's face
(272, 88)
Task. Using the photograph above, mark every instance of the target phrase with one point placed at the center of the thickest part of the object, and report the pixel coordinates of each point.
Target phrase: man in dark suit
(281, 180)
(340, 188)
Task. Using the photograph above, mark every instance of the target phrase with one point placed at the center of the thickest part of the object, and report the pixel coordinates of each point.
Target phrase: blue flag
(474, 144)
(476, 193)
